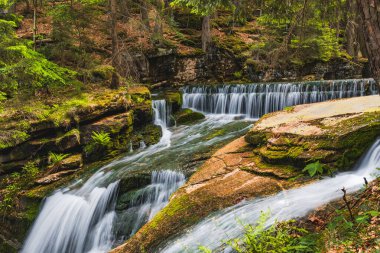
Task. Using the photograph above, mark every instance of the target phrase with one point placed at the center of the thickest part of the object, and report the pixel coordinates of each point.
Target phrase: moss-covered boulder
(175, 100)
(336, 133)
(187, 116)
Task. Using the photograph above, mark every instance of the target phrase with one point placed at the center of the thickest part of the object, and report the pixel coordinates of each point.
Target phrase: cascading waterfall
(146, 202)
(255, 100)
(75, 221)
(82, 220)
(286, 205)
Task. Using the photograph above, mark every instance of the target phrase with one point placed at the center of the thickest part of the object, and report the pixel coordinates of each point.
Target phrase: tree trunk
(144, 14)
(206, 33)
(352, 31)
(115, 82)
(34, 23)
(369, 11)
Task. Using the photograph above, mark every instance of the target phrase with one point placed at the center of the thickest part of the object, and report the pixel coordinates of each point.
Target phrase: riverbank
(281, 149)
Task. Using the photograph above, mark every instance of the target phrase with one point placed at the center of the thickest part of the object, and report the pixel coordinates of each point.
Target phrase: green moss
(11, 138)
(139, 94)
(187, 116)
(179, 206)
(216, 133)
(175, 99)
(102, 73)
(256, 138)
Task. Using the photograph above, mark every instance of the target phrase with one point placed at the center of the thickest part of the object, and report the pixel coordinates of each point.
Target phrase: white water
(255, 100)
(148, 201)
(81, 220)
(63, 223)
(283, 206)
(75, 221)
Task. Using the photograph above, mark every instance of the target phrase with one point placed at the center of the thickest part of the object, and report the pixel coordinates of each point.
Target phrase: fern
(55, 159)
(101, 138)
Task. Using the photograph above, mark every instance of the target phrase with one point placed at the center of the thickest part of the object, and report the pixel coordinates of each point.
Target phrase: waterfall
(161, 112)
(146, 202)
(286, 205)
(82, 219)
(76, 221)
(255, 100)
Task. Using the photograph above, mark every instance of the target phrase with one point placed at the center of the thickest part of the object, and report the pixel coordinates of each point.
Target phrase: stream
(83, 216)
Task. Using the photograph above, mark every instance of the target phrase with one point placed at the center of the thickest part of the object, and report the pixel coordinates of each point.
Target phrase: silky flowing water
(286, 205)
(82, 217)
(255, 100)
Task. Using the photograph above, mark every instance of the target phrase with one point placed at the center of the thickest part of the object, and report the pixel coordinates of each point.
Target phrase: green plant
(100, 142)
(314, 168)
(30, 171)
(238, 74)
(279, 237)
(18, 181)
(101, 138)
(55, 159)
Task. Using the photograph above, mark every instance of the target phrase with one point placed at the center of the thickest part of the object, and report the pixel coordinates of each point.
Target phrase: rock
(139, 93)
(112, 124)
(220, 182)
(188, 116)
(73, 162)
(335, 133)
(175, 100)
(68, 141)
(54, 177)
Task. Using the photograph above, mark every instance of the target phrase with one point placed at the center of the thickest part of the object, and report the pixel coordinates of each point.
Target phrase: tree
(204, 8)
(115, 82)
(369, 11)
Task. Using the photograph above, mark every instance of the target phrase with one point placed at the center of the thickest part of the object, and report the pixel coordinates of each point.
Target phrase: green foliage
(101, 138)
(307, 30)
(99, 144)
(342, 230)
(30, 171)
(279, 237)
(314, 169)
(6, 4)
(55, 159)
(238, 74)
(23, 68)
(203, 7)
(17, 182)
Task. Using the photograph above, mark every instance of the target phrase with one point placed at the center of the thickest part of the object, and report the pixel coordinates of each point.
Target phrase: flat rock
(54, 177)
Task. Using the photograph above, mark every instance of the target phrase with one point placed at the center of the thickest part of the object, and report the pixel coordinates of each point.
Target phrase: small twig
(347, 204)
(365, 182)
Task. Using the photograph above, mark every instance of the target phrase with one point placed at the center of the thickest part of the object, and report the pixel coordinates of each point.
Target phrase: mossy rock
(150, 135)
(175, 100)
(188, 116)
(139, 94)
(102, 73)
